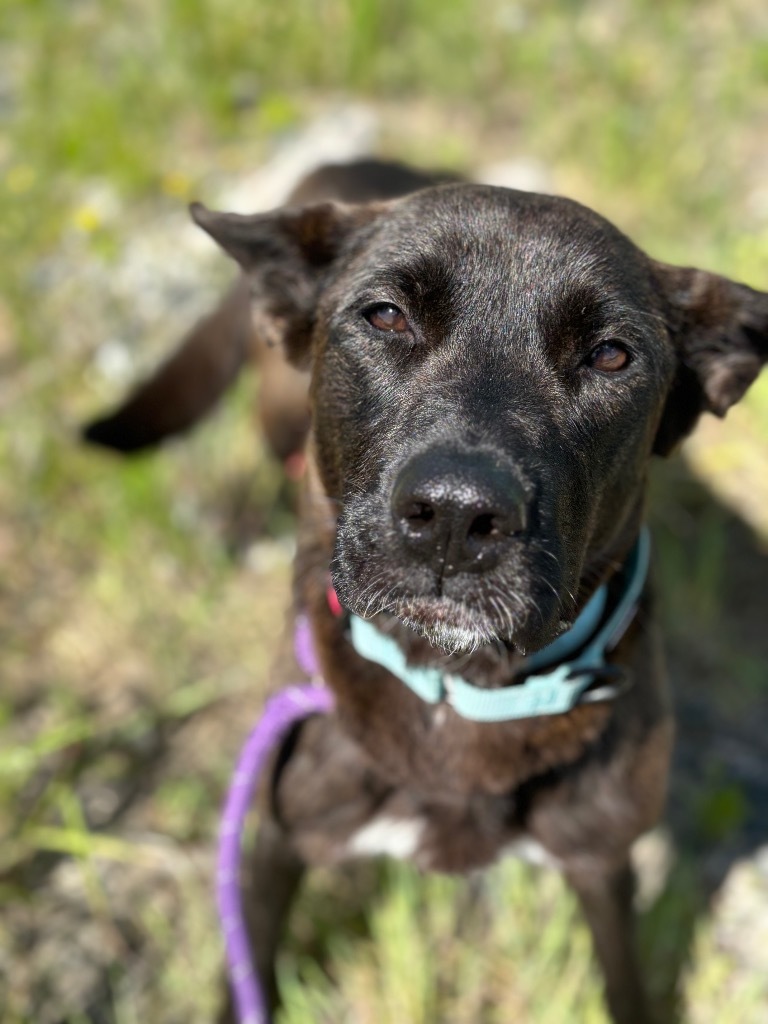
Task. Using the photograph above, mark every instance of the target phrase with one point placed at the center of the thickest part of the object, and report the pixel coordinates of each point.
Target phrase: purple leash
(282, 711)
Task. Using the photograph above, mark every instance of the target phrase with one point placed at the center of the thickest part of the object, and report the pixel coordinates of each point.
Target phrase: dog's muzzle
(457, 511)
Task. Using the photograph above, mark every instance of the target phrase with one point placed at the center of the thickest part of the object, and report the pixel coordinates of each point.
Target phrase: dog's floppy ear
(284, 254)
(720, 331)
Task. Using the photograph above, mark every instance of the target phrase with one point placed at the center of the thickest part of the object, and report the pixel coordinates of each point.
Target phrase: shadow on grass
(711, 572)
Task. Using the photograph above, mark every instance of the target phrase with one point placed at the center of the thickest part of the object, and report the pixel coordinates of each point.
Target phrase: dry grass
(136, 639)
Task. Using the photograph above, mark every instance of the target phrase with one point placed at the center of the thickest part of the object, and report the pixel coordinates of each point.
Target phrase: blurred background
(140, 599)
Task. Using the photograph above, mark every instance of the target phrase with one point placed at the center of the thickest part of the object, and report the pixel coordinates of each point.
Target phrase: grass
(135, 647)
(421, 962)
(513, 949)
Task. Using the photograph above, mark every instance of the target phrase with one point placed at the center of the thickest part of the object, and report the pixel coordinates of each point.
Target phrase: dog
(491, 374)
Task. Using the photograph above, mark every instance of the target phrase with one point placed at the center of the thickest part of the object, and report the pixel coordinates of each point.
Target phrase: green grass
(515, 950)
(655, 104)
(135, 649)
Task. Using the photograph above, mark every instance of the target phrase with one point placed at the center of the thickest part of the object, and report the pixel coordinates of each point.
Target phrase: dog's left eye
(386, 317)
(610, 357)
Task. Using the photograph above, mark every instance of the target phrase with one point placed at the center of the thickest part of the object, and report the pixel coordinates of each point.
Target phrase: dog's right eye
(386, 317)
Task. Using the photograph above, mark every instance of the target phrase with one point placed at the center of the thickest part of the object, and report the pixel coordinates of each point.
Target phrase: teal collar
(551, 692)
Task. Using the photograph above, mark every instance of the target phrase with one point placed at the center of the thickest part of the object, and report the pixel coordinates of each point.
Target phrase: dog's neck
(572, 670)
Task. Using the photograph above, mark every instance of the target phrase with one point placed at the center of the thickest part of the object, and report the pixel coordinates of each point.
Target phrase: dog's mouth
(451, 625)
(461, 624)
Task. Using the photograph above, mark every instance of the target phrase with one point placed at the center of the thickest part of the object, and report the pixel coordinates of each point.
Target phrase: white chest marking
(532, 852)
(398, 837)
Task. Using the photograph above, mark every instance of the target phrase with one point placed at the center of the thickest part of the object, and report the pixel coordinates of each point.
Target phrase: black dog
(491, 372)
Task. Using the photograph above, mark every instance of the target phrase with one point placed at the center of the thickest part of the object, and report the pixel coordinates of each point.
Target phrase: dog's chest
(412, 743)
(443, 838)
(339, 803)
(433, 749)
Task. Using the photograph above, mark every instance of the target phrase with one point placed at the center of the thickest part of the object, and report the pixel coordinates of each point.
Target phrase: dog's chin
(450, 625)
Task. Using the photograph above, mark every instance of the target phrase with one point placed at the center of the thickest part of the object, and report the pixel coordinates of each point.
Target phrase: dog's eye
(610, 357)
(386, 317)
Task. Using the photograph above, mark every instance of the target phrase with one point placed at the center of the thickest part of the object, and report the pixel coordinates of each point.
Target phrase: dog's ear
(284, 254)
(720, 331)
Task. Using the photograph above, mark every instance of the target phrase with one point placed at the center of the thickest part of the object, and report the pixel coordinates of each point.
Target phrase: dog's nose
(458, 511)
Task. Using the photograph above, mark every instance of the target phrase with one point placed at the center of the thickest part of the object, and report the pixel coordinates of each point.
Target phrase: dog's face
(491, 373)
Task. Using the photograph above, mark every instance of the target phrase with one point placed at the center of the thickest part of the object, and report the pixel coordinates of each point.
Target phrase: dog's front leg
(325, 791)
(606, 897)
(274, 874)
(274, 871)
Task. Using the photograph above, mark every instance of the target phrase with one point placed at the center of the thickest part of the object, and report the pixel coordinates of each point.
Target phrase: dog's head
(492, 371)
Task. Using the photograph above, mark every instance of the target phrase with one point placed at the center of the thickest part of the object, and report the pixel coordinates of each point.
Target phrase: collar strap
(551, 692)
